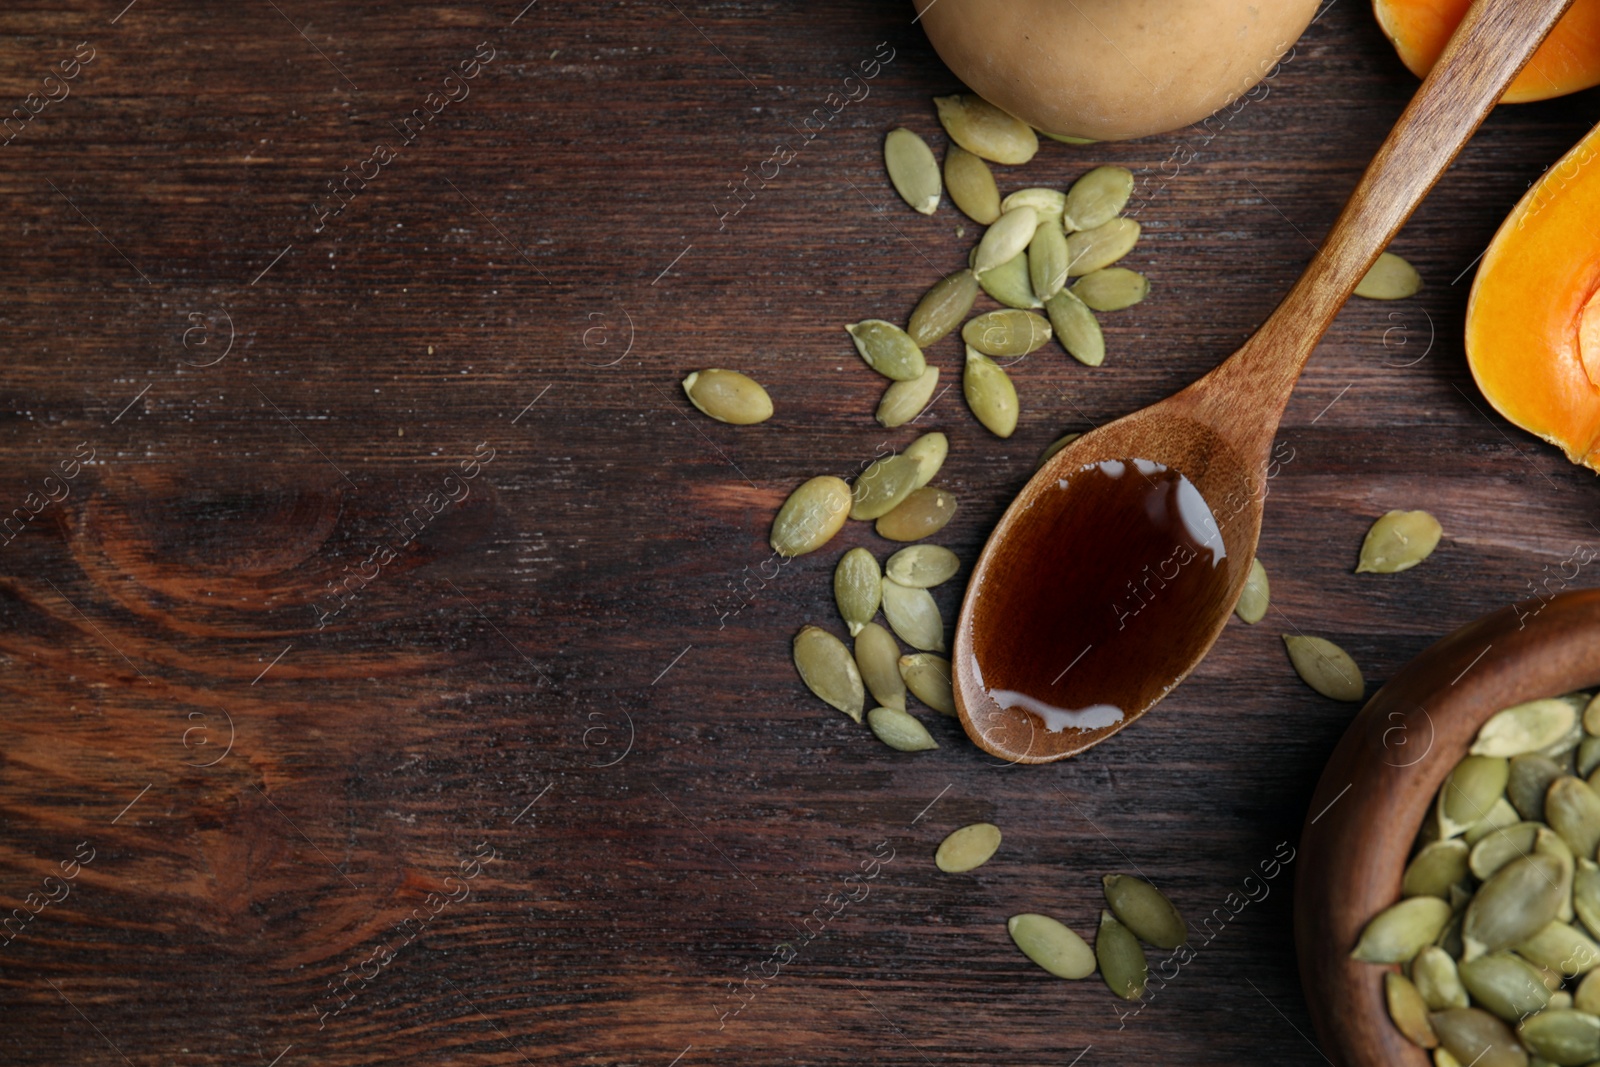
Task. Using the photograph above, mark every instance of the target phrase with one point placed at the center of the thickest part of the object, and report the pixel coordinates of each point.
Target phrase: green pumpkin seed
(1055, 446)
(1047, 261)
(930, 450)
(857, 584)
(1498, 849)
(829, 671)
(1096, 249)
(1436, 868)
(1518, 901)
(1469, 790)
(1400, 931)
(1408, 1010)
(1473, 1036)
(1548, 842)
(1097, 198)
(971, 185)
(1256, 595)
(914, 616)
(1588, 757)
(1006, 240)
(1442, 1058)
(888, 349)
(1565, 748)
(942, 308)
(900, 730)
(1121, 958)
(1112, 288)
(1051, 945)
(1504, 984)
(984, 130)
(922, 514)
(1449, 938)
(811, 516)
(922, 566)
(1009, 284)
(1562, 948)
(880, 488)
(1586, 895)
(1325, 667)
(1501, 814)
(1591, 717)
(1007, 332)
(928, 678)
(1390, 278)
(904, 401)
(1530, 777)
(912, 169)
(990, 394)
(1564, 1037)
(728, 396)
(1573, 810)
(1076, 328)
(1145, 910)
(1068, 138)
(1436, 978)
(1587, 996)
(1560, 1000)
(969, 848)
(1398, 541)
(878, 660)
(1048, 204)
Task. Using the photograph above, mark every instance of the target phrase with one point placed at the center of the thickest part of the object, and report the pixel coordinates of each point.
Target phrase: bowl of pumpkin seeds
(1448, 906)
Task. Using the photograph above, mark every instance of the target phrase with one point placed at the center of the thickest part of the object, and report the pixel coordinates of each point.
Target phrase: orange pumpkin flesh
(1533, 320)
(1569, 59)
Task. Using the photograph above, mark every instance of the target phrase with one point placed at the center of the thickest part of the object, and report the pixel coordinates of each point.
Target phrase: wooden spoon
(1114, 570)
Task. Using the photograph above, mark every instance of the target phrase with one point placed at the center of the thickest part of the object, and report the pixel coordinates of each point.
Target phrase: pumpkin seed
(1449, 938)
(1400, 931)
(1097, 198)
(1076, 328)
(1121, 958)
(912, 169)
(1548, 842)
(888, 349)
(900, 730)
(1096, 249)
(1501, 814)
(1008, 283)
(984, 130)
(942, 308)
(904, 401)
(1145, 910)
(1591, 716)
(1006, 239)
(1436, 978)
(1469, 790)
(1051, 945)
(1112, 288)
(1588, 757)
(1007, 332)
(1573, 810)
(1325, 667)
(1518, 901)
(928, 678)
(1408, 1010)
(1390, 278)
(922, 514)
(1498, 849)
(1530, 777)
(728, 396)
(930, 450)
(914, 616)
(1047, 261)
(969, 848)
(1048, 204)
(811, 516)
(883, 485)
(1586, 895)
(1398, 541)
(922, 566)
(1560, 1000)
(1504, 984)
(990, 394)
(1069, 139)
(857, 584)
(1442, 1058)
(1564, 749)
(1254, 598)
(1473, 1036)
(1055, 446)
(828, 670)
(971, 185)
(1438, 867)
(1564, 1037)
(1587, 996)
(878, 660)
(1561, 948)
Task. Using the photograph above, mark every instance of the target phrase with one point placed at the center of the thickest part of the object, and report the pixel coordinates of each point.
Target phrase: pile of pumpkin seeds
(1496, 934)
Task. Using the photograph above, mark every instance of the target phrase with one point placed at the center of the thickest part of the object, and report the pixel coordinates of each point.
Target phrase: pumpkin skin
(1533, 319)
(1110, 70)
(1569, 59)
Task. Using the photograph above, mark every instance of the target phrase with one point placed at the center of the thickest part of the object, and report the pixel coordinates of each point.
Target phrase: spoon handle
(1492, 44)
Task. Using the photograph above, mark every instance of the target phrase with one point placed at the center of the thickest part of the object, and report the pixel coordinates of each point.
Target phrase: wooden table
(540, 785)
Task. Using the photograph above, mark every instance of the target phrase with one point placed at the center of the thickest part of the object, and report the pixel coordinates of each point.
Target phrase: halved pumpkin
(1569, 59)
(1533, 320)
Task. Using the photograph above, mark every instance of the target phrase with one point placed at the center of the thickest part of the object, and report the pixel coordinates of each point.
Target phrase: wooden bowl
(1379, 782)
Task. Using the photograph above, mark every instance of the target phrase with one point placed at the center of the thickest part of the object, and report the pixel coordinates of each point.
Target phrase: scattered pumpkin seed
(1498, 849)
(883, 485)
(904, 401)
(971, 185)
(1390, 278)
(990, 394)
(922, 514)
(1325, 667)
(1587, 996)
(942, 308)
(1009, 284)
(878, 661)
(1096, 249)
(888, 349)
(1573, 810)
(1472, 1035)
(857, 585)
(1145, 910)
(1530, 776)
(1121, 958)
(828, 670)
(1562, 948)
(1437, 979)
(969, 848)
(1519, 900)
(1076, 328)
(1436, 868)
(1408, 1010)
(1048, 204)
(1007, 332)
(912, 169)
(811, 516)
(1398, 541)
(1006, 239)
(1047, 261)
(1068, 138)
(1524, 728)
(1051, 945)
(928, 678)
(1112, 288)
(930, 449)
(1563, 1037)
(1400, 931)
(984, 130)
(728, 396)
(1097, 198)
(1055, 446)
(1256, 595)
(900, 730)
(914, 616)
(922, 566)
(1505, 984)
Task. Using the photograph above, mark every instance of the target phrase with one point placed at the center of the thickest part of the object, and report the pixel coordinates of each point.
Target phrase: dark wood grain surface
(542, 786)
